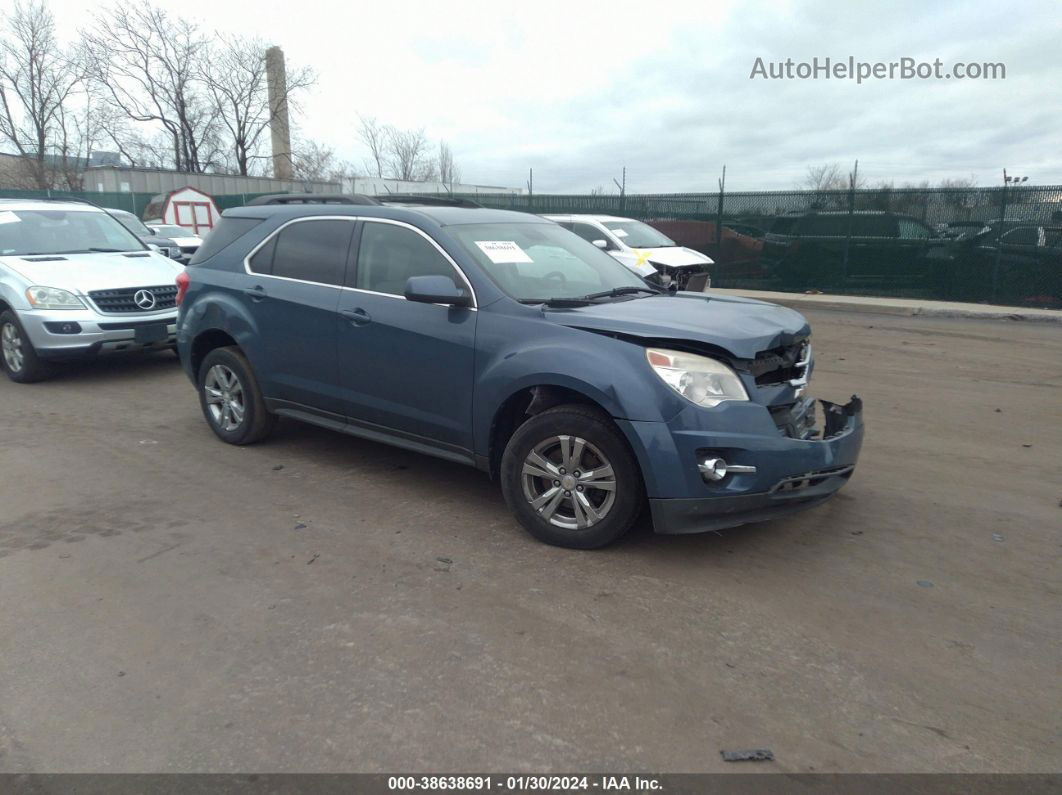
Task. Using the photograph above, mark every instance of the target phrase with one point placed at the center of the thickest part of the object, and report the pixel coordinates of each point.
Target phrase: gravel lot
(321, 603)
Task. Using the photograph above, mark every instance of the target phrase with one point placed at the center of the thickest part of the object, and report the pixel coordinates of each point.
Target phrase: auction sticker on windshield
(501, 252)
(8, 217)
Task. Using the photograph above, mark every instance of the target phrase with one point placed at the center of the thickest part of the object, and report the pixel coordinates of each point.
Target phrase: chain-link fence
(998, 245)
(133, 202)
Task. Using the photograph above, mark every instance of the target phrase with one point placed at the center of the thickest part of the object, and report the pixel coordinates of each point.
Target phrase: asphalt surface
(321, 603)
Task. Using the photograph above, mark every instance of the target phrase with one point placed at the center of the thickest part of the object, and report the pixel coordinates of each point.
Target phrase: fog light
(712, 469)
(715, 469)
(63, 327)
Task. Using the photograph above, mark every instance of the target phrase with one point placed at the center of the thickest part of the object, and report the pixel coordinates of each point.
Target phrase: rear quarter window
(228, 230)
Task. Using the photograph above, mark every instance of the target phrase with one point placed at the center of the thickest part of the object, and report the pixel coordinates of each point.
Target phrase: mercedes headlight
(706, 382)
(52, 298)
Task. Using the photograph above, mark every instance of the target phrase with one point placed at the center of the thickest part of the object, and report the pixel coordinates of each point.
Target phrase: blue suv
(503, 341)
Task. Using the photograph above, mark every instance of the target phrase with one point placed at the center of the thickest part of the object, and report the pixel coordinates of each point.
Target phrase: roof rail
(433, 201)
(310, 198)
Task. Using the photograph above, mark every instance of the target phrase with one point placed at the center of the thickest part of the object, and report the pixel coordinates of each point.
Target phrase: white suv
(75, 283)
(646, 251)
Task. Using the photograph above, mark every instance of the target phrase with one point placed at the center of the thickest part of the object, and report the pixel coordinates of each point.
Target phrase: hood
(84, 272)
(741, 326)
(187, 241)
(676, 256)
(164, 242)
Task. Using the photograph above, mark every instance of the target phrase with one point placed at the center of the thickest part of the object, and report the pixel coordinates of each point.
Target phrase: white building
(374, 186)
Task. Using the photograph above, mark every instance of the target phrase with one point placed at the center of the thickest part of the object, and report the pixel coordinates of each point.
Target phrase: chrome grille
(117, 302)
(789, 364)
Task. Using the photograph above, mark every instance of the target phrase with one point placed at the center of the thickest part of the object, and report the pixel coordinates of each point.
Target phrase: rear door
(405, 367)
(293, 295)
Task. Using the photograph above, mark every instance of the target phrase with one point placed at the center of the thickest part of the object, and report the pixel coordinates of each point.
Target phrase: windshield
(540, 262)
(131, 222)
(62, 232)
(638, 235)
(172, 231)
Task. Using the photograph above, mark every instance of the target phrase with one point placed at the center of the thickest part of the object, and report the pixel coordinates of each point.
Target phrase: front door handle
(256, 293)
(357, 316)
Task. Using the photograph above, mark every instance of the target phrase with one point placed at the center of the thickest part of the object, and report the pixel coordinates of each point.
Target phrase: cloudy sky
(579, 90)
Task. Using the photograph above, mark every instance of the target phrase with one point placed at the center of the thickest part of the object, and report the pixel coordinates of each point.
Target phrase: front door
(404, 366)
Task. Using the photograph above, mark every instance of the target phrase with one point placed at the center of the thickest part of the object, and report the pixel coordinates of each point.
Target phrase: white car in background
(75, 283)
(646, 251)
(187, 240)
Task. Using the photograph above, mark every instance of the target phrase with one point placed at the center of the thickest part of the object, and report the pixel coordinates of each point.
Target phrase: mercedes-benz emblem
(145, 299)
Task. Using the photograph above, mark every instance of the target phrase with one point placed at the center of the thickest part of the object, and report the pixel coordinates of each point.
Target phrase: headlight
(52, 298)
(700, 380)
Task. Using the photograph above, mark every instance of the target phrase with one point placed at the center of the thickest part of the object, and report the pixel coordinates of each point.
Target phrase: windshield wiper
(616, 291)
(558, 302)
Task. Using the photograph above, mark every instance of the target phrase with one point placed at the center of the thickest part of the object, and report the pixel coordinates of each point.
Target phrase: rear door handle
(256, 293)
(357, 316)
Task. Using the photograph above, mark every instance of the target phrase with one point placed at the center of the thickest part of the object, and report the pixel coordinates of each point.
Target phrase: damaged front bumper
(767, 473)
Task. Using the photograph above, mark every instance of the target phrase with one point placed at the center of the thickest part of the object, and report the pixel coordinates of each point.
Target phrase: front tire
(230, 398)
(17, 354)
(569, 477)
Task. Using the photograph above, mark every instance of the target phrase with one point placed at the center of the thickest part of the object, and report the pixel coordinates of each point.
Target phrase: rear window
(227, 230)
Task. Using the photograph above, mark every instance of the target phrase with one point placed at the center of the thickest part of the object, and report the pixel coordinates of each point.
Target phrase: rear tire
(569, 477)
(17, 354)
(230, 398)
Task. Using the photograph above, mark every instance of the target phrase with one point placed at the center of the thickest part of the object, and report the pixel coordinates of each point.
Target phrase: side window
(591, 233)
(312, 251)
(389, 255)
(1022, 236)
(868, 225)
(912, 230)
(262, 261)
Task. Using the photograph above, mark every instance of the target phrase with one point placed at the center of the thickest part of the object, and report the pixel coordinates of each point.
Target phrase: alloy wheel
(224, 397)
(569, 482)
(11, 342)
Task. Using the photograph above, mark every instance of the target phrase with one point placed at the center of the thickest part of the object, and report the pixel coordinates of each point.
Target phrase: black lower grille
(123, 301)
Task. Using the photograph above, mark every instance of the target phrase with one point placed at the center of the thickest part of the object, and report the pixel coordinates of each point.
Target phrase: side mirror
(436, 290)
(601, 243)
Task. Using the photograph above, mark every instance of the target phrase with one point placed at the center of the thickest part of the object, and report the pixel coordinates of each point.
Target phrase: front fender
(11, 292)
(517, 353)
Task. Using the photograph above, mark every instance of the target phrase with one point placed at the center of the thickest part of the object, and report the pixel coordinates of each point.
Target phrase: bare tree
(448, 171)
(314, 162)
(375, 136)
(958, 191)
(236, 79)
(407, 155)
(825, 177)
(39, 81)
(145, 65)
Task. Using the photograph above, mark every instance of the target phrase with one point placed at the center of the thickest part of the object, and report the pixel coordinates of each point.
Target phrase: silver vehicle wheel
(569, 482)
(11, 341)
(224, 397)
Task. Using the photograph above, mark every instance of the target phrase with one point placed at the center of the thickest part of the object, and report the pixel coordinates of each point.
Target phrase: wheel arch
(207, 341)
(526, 402)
